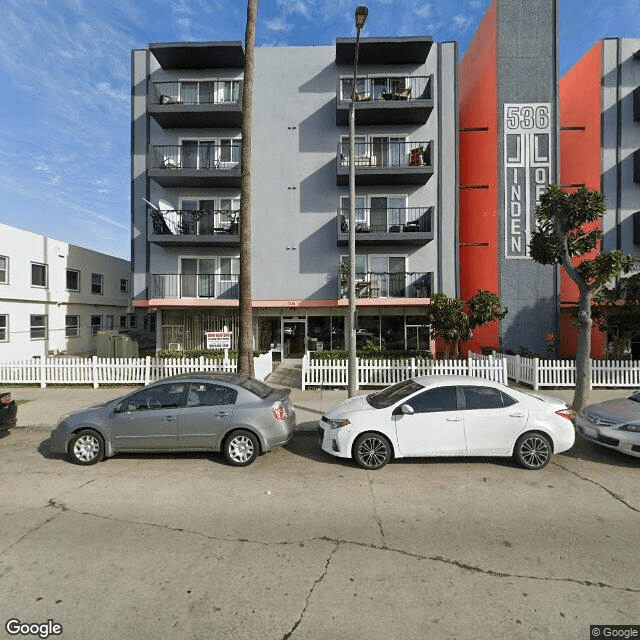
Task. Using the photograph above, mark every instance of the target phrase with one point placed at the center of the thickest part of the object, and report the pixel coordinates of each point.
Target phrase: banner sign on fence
(218, 339)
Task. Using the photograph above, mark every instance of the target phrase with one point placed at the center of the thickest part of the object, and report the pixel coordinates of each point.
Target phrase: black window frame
(45, 268)
(67, 273)
(93, 285)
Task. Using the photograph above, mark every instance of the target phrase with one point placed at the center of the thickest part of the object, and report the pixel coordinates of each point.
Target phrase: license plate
(592, 433)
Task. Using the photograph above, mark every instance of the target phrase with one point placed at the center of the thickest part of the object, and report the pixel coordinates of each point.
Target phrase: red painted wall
(478, 74)
(580, 164)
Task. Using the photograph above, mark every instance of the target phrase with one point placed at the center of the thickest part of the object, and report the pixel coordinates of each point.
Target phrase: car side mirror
(125, 407)
(407, 409)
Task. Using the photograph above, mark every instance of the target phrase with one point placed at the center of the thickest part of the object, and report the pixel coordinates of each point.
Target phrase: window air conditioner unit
(175, 346)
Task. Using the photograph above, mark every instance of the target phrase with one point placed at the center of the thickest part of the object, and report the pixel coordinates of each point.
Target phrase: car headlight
(336, 424)
(630, 427)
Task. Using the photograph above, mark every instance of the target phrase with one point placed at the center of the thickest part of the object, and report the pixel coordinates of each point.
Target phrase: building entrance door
(294, 337)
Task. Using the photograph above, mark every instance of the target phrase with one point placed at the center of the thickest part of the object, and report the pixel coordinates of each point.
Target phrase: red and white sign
(218, 339)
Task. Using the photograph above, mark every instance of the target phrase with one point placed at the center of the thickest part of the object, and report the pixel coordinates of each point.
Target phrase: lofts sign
(527, 167)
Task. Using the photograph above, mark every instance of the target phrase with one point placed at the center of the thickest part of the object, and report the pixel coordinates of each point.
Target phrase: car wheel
(241, 448)
(86, 447)
(371, 451)
(533, 450)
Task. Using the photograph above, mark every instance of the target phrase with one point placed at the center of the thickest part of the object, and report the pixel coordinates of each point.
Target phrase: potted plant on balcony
(232, 216)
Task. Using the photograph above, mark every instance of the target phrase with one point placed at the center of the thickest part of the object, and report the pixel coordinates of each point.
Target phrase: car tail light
(5, 398)
(279, 412)
(566, 413)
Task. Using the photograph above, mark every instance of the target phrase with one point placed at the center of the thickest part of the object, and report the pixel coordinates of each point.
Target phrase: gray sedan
(227, 412)
(613, 423)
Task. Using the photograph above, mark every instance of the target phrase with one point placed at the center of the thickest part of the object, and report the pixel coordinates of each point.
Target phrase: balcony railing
(203, 92)
(385, 284)
(382, 87)
(386, 153)
(201, 285)
(194, 222)
(400, 220)
(203, 156)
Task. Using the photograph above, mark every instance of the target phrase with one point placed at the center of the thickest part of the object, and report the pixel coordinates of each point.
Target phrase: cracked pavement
(302, 545)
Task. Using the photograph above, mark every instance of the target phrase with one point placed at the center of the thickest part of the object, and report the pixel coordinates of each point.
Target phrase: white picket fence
(562, 373)
(381, 373)
(97, 371)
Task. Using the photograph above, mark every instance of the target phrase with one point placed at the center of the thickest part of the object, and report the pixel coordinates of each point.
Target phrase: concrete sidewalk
(44, 407)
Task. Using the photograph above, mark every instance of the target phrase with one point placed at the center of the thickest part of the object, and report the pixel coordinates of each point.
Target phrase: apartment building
(55, 297)
(186, 141)
(600, 138)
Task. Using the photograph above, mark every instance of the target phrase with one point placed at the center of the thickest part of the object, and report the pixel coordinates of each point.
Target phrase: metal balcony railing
(193, 285)
(202, 92)
(390, 220)
(385, 284)
(203, 156)
(194, 222)
(383, 87)
(386, 153)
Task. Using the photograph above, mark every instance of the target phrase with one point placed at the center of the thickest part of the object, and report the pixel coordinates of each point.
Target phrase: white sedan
(447, 416)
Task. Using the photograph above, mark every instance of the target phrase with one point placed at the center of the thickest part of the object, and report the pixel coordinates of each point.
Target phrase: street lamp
(352, 373)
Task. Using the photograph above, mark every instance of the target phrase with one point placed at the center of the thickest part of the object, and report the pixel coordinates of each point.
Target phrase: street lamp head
(361, 16)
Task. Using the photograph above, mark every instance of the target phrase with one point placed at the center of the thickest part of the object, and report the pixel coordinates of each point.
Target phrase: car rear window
(390, 395)
(261, 389)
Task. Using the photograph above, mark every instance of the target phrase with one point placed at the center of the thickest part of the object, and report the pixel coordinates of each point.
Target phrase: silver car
(227, 412)
(613, 423)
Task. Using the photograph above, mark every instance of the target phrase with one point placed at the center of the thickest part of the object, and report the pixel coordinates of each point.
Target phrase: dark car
(227, 412)
(8, 412)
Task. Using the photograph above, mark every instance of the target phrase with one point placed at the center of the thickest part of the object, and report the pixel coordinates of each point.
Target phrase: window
(97, 283)
(123, 322)
(124, 284)
(73, 280)
(360, 213)
(438, 399)
(132, 322)
(38, 325)
(4, 270)
(38, 275)
(162, 396)
(72, 326)
(4, 328)
(96, 324)
(210, 395)
(108, 323)
(486, 398)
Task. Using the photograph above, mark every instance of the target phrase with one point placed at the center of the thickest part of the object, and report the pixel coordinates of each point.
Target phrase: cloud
(279, 25)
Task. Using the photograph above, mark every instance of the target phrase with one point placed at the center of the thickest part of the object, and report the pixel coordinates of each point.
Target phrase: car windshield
(635, 397)
(390, 395)
(261, 389)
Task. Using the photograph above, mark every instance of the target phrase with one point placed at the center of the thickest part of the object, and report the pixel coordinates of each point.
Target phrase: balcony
(178, 228)
(385, 161)
(199, 55)
(196, 164)
(382, 99)
(411, 50)
(211, 103)
(390, 226)
(181, 286)
(370, 284)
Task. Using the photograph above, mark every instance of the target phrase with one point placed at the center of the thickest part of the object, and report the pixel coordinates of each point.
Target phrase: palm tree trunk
(245, 342)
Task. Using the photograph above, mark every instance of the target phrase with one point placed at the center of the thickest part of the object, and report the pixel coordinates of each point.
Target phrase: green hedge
(371, 354)
(208, 354)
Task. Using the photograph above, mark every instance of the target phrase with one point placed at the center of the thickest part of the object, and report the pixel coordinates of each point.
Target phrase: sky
(65, 85)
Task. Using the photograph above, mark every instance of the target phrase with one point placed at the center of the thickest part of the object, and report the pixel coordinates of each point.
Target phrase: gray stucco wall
(620, 138)
(527, 74)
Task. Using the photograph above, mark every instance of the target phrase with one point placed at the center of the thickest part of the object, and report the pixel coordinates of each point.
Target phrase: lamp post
(352, 373)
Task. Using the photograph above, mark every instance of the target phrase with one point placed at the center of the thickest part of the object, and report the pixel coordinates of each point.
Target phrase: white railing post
(94, 371)
(43, 369)
(305, 366)
(516, 368)
(147, 370)
(536, 385)
(470, 367)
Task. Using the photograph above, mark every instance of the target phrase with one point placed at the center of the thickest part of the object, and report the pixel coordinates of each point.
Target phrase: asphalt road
(301, 545)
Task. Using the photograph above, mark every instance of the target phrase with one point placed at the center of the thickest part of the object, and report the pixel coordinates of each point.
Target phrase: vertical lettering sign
(527, 167)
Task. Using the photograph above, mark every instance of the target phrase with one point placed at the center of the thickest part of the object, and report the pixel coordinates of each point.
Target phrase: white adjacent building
(55, 297)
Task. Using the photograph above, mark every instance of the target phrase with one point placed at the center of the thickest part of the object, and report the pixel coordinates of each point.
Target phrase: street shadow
(588, 451)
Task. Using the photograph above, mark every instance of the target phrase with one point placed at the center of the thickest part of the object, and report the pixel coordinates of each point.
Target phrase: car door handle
(221, 414)
(517, 415)
(168, 419)
(453, 419)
